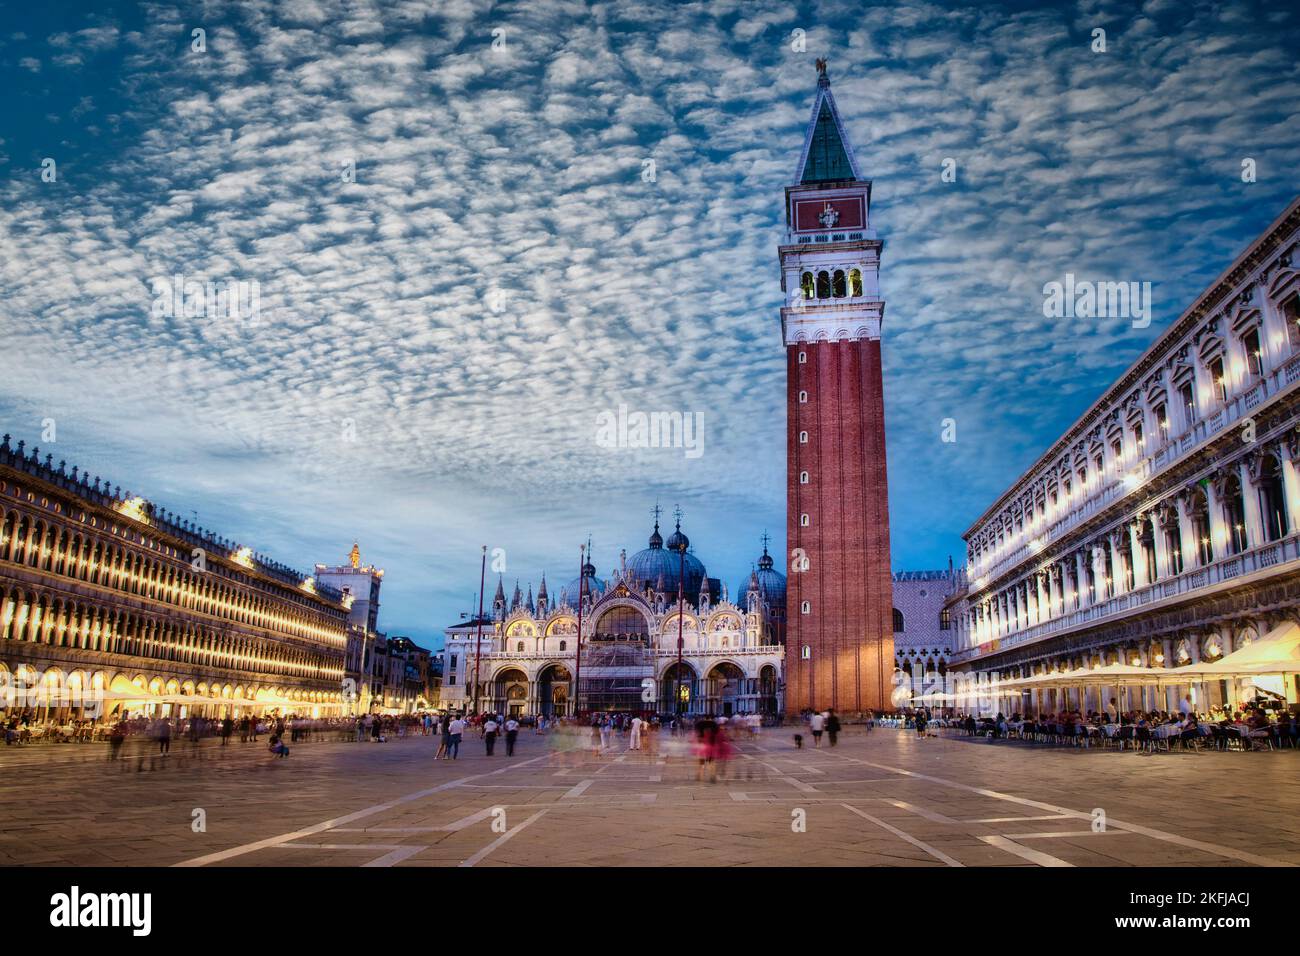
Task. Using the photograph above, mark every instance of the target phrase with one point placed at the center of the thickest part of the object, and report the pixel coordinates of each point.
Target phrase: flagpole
(681, 613)
(478, 643)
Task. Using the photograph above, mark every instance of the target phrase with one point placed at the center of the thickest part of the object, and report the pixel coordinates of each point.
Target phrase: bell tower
(839, 610)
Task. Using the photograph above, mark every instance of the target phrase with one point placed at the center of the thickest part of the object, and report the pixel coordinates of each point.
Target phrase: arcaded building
(1163, 528)
(106, 598)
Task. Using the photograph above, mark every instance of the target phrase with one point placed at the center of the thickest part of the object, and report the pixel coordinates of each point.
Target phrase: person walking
(635, 742)
(817, 724)
(164, 736)
(512, 734)
(227, 728)
(605, 725)
(116, 739)
(456, 728)
(832, 726)
(490, 734)
(444, 745)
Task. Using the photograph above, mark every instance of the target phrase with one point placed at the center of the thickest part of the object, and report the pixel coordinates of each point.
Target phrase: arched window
(803, 398)
(807, 286)
(898, 621)
(803, 477)
(520, 647)
(564, 646)
(1201, 526)
(803, 358)
(1187, 396)
(1219, 378)
(1174, 545)
(855, 282)
(1291, 314)
(837, 284)
(803, 521)
(803, 438)
(805, 607)
(1147, 540)
(1234, 512)
(1272, 499)
(823, 285)
(1130, 569)
(621, 624)
(945, 620)
(1254, 354)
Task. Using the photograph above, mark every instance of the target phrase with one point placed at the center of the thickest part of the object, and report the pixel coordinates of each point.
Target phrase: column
(1139, 564)
(1250, 497)
(1218, 524)
(1187, 534)
(1081, 577)
(1159, 517)
(1119, 569)
(1290, 484)
(1043, 585)
(1099, 570)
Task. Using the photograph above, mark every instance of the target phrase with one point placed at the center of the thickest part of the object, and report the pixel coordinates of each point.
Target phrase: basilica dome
(770, 580)
(647, 566)
(592, 586)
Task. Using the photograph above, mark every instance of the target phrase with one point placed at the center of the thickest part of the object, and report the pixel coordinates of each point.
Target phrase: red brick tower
(839, 609)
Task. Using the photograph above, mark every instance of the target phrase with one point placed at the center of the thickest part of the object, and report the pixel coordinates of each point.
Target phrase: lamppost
(478, 642)
(577, 669)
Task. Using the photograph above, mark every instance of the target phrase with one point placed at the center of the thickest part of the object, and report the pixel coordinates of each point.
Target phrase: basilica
(658, 635)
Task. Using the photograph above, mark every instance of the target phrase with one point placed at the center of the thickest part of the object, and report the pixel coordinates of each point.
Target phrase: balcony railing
(1274, 556)
(1237, 408)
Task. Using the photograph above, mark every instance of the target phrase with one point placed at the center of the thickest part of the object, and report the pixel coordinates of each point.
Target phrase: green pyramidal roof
(827, 159)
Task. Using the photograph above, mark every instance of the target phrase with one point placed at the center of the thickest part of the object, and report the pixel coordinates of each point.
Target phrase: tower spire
(827, 154)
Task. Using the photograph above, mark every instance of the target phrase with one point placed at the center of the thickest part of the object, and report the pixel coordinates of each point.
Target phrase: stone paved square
(883, 798)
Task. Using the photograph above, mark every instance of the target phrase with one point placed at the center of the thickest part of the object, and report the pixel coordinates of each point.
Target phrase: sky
(473, 227)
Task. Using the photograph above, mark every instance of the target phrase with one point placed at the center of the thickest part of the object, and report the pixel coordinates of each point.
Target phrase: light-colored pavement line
(396, 856)
(577, 790)
(514, 786)
(475, 817)
(343, 846)
(481, 854)
(922, 812)
(1051, 834)
(283, 838)
(1228, 852)
(1050, 816)
(1024, 852)
(936, 853)
(798, 784)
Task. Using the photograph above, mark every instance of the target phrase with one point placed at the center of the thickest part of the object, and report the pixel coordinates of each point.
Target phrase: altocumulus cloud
(499, 270)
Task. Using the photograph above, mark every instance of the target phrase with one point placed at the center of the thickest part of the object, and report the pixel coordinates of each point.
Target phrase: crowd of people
(1252, 726)
(708, 740)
